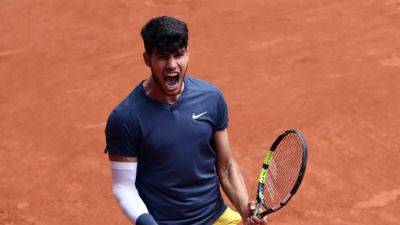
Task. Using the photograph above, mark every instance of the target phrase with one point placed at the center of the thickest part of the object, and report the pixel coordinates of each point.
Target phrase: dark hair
(166, 34)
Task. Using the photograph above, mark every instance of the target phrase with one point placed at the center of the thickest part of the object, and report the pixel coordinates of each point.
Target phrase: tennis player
(168, 142)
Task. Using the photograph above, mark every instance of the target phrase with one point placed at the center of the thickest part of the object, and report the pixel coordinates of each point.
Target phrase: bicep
(123, 170)
(118, 158)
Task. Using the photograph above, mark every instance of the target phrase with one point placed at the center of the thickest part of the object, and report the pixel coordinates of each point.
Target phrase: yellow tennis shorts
(229, 217)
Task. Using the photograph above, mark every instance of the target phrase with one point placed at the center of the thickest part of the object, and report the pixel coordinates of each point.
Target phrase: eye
(179, 55)
(161, 57)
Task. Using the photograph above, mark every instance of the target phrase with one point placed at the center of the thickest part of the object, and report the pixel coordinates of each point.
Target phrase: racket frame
(260, 199)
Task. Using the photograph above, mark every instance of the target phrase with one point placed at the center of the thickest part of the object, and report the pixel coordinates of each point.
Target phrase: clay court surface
(329, 68)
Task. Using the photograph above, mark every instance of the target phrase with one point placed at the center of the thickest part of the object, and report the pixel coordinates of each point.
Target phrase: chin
(172, 94)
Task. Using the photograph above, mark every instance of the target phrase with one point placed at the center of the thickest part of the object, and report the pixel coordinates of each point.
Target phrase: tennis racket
(281, 173)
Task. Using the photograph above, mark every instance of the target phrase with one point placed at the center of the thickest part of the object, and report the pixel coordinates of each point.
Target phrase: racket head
(283, 170)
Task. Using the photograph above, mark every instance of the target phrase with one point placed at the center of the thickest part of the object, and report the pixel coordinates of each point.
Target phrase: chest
(176, 130)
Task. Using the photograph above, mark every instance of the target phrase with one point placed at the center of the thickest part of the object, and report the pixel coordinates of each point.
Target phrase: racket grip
(256, 210)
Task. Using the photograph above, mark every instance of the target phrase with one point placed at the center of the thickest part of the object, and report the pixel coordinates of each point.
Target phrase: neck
(154, 91)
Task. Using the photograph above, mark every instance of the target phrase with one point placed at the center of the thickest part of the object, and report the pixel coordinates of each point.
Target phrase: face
(168, 70)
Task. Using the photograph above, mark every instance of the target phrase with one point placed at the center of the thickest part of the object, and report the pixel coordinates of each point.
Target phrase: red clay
(329, 68)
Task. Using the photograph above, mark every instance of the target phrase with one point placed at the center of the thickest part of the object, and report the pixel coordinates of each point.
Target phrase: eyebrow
(181, 51)
(161, 53)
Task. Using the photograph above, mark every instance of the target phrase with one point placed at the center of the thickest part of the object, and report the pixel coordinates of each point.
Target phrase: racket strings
(288, 166)
(283, 170)
(290, 163)
(275, 183)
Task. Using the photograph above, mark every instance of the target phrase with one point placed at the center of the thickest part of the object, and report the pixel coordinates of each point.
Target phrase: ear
(146, 59)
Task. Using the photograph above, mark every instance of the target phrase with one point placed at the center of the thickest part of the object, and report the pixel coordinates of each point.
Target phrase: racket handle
(256, 210)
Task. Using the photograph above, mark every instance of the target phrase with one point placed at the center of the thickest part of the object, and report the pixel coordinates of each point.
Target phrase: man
(169, 137)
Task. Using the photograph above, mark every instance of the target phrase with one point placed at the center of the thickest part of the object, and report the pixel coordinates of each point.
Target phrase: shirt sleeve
(121, 136)
(222, 114)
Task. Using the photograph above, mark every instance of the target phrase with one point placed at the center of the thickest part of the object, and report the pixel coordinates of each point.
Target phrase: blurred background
(329, 68)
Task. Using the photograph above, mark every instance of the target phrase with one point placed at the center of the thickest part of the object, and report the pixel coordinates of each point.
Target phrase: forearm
(233, 184)
(125, 192)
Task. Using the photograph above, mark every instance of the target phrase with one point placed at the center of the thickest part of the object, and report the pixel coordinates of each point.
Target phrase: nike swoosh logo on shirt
(194, 116)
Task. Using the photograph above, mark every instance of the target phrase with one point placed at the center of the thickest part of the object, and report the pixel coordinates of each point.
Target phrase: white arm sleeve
(124, 190)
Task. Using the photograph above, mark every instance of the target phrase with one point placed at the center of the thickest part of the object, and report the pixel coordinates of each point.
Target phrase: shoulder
(199, 85)
(125, 111)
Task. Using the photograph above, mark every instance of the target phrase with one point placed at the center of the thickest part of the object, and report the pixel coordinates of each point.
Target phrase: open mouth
(171, 80)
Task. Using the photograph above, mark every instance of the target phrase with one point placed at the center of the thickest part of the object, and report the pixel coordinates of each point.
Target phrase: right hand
(252, 220)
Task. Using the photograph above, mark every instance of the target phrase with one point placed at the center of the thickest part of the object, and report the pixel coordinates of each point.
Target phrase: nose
(171, 64)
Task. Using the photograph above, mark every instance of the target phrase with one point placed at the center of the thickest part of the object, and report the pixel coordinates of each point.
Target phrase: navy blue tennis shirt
(174, 144)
